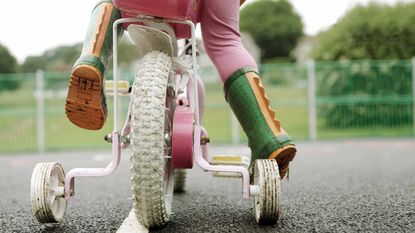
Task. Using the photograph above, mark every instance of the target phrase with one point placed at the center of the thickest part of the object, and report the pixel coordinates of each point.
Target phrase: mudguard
(148, 39)
(182, 138)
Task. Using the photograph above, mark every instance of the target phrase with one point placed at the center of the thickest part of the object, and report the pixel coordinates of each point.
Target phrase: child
(86, 104)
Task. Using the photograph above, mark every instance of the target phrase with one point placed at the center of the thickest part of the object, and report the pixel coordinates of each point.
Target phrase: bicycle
(163, 126)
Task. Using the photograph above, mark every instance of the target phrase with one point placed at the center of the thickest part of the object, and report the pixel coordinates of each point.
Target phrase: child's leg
(243, 89)
(85, 102)
(220, 31)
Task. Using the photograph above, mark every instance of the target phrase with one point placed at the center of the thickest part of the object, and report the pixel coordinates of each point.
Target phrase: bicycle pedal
(122, 85)
(227, 174)
(230, 160)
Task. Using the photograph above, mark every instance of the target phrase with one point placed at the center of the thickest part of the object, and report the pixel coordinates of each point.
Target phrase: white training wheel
(47, 192)
(179, 180)
(267, 204)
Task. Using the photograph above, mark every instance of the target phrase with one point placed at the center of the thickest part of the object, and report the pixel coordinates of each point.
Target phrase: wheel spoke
(53, 182)
(54, 205)
(52, 188)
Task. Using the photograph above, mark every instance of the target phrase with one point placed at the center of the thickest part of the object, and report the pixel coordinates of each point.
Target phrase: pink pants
(220, 30)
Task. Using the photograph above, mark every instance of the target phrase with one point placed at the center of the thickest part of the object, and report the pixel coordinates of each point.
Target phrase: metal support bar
(94, 172)
(40, 108)
(201, 153)
(312, 105)
(413, 94)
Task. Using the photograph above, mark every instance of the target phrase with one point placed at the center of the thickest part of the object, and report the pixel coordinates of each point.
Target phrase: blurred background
(333, 70)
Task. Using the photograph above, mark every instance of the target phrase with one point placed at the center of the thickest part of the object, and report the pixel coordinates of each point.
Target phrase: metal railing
(318, 100)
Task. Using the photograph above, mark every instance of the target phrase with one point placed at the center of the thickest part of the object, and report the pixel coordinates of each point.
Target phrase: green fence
(327, 100)
(365, 98)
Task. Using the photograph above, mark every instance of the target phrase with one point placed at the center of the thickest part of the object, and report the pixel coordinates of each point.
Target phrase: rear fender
(148, 39)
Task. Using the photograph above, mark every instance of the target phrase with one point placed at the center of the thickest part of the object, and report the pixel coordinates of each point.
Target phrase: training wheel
(179, 180)
(267, 204)
(47, 192)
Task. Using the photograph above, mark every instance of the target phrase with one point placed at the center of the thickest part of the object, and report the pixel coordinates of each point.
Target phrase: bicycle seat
(171, 9)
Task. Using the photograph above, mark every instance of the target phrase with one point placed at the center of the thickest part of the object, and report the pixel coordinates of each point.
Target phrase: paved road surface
(339, 186)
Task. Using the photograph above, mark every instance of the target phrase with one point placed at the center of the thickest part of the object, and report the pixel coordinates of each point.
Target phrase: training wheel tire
(267, 205)
(179, 180)
(46, 191)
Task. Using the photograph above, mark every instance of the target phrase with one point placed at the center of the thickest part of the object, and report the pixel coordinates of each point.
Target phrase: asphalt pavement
(336, 186)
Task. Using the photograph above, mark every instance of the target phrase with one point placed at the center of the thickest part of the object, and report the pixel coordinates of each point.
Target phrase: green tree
(370, 32)
(8, 64)
(62, 58)
(274, 25)
(375, 31)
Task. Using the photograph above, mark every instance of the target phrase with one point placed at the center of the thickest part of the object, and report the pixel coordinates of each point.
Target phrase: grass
(18, 121)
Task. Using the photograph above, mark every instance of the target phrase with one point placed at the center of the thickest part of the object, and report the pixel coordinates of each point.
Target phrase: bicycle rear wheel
(152, 175)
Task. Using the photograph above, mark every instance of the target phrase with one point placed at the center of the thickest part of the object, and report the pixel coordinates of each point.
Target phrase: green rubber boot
(267, 139)
(86, 102)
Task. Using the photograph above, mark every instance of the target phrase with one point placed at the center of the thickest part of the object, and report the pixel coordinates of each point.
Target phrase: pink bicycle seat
(170, 9)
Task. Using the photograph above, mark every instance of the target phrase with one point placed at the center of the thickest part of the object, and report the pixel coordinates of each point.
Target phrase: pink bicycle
(163, 125)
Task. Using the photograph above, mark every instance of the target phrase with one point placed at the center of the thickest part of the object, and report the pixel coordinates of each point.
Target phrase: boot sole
(284, 156)
(84, 105)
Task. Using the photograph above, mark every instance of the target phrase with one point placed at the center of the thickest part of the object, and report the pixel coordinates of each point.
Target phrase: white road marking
(131, 224)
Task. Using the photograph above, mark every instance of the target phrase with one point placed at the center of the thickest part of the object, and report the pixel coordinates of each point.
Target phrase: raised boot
(267, 139)
(86, 102)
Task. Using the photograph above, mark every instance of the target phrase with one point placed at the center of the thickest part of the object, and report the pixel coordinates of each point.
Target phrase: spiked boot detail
(266, 138)
(86, 102)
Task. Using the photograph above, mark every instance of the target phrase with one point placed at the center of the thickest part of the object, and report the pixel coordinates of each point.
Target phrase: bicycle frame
(119, 137)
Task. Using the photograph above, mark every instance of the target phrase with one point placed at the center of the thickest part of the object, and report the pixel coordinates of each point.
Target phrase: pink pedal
(182, 138)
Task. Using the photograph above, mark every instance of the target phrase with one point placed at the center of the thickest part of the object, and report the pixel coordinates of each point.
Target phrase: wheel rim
(268, 204)
(168, 186)
(57, 202)
(168, 169)
(257, 200)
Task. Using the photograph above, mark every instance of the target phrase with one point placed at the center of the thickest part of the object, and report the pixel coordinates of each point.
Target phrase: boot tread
(85, 105)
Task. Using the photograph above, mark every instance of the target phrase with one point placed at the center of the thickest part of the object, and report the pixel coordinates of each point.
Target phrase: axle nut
(204, 140)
